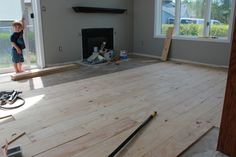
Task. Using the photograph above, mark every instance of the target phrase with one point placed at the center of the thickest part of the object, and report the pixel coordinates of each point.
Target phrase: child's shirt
(17, 38)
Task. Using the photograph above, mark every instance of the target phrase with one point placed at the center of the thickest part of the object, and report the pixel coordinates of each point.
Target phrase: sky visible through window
(7, 13)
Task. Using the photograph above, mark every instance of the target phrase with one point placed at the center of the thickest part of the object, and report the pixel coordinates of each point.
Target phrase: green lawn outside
(5, 49)
(6, 61)
(197, 30)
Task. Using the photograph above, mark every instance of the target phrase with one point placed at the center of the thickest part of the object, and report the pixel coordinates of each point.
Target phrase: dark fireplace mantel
(80, 9)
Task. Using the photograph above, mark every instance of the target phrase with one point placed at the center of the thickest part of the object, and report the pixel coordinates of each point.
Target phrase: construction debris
(13, 140)
(9, 100)
(105, 55)
(14, 152)
(5, 117)
(96, 58)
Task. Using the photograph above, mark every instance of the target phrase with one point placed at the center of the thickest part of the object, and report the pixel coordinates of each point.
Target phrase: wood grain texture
(14, 139)
(167, 44)
(42, 72)
(91, 117)
(227, 137)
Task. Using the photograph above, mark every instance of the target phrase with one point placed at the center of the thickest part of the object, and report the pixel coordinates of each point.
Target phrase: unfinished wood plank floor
(91, 117)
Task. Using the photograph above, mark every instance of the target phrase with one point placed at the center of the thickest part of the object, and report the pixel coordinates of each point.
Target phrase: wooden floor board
(167, 118)
(90, 117)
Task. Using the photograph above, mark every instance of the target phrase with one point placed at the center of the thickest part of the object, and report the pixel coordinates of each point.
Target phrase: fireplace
(94, 37)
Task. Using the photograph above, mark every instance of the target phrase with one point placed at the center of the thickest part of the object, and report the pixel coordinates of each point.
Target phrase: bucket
(123, 55)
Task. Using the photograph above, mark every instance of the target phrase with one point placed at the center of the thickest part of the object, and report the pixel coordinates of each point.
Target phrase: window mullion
(207, 18)
(231, 21)
(177, 16)
(158, 13)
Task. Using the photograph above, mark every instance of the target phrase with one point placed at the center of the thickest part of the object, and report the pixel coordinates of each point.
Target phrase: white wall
(62, 27)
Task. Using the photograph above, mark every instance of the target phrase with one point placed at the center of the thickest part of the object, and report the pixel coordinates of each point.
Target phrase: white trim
(198, 63)
(195, 38)
(157, 18)
(183, 61)
(22, 8)
(26, 22)
(146, 55)
(207, 18)
(26, 50)
(192, 38)
(38, 33)
(177, 16)
(231, 22)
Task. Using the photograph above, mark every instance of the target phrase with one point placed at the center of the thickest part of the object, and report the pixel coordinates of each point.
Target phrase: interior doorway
(15, 10)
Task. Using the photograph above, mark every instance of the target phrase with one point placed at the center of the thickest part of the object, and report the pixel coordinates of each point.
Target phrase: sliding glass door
(10, 11)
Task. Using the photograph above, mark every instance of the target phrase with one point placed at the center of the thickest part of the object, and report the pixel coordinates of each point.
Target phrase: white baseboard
(146, 55)
(198, 63)
(183, 61)
(150, 56)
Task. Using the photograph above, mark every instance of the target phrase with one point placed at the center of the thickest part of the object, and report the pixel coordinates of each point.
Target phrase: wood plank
(182, 138)
(87, 141)
(204, 93)
(63, 114)
(227, 137)
(49, 102)
(175, 120)
(6, 119)
(14, 139)
(42, 72)
(167, 44)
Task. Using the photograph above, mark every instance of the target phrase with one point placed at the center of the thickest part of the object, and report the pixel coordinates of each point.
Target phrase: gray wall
(197, 51)
(62, 26)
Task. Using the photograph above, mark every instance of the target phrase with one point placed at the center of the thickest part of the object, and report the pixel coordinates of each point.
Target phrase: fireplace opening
(94, 37)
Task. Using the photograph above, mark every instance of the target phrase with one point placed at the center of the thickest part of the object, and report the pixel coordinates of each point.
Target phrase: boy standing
(18, 45)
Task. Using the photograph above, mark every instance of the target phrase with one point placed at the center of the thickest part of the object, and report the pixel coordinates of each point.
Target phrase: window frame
(206, 30)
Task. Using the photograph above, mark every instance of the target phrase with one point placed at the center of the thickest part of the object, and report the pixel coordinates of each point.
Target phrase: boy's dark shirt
(17, 38)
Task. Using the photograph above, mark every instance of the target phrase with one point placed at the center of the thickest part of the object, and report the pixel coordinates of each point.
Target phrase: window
(168, 15)
(191, 18)
(6, 18)
(195, 18)
(220, 18)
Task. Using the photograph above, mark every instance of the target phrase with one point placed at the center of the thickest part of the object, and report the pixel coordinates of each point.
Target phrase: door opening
(15, 10)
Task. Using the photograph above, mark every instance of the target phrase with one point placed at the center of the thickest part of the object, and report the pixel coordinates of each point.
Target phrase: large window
(220, 18)
(192, 18)
(195, 18)
(168, 15)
